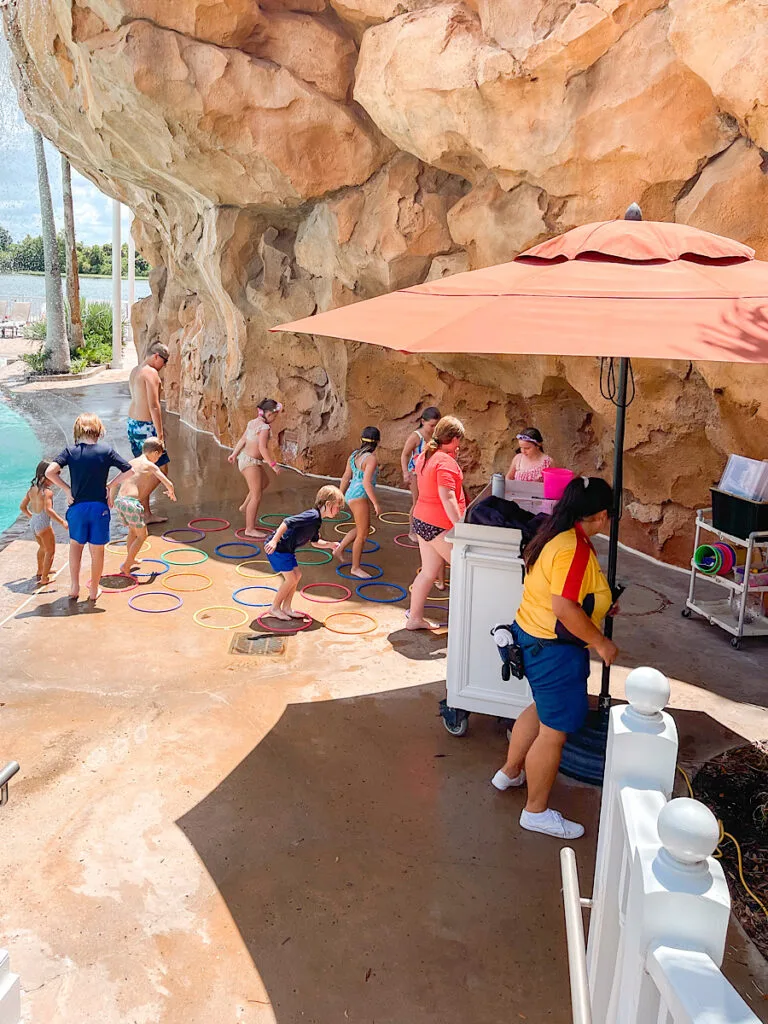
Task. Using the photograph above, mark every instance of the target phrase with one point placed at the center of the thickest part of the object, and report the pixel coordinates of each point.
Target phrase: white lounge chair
(18, 319)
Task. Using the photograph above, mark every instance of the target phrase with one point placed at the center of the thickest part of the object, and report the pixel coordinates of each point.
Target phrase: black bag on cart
(494, 511)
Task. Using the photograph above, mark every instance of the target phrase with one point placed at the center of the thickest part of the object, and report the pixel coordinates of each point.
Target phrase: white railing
(660, 909)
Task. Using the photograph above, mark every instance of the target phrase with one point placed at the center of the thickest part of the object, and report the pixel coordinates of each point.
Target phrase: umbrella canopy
(623, 288)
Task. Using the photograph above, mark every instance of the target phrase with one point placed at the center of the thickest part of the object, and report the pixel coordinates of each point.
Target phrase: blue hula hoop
(236, 544)
(364, 565)
(370, 551)
(381, 600)
(158, 572)
(253, 604)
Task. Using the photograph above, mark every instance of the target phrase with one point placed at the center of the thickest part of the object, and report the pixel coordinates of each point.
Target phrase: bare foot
(125, 569)
(295, 614)
(255, 533)
(278, 613)
(44, 581)
(439, 584)
(96, 596)
(156, 519)
(242, 507)
(414, 624)
(360, 573)
(74, 595)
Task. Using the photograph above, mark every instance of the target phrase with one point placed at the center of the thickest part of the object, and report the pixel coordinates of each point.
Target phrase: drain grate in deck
(248, 643)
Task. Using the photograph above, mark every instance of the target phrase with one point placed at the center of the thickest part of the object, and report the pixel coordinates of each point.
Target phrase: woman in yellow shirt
(565, 599)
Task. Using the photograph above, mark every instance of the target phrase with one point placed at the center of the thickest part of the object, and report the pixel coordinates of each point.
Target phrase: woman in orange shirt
(440, 505)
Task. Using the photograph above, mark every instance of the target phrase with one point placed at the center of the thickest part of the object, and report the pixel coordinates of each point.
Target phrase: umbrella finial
(633, 212)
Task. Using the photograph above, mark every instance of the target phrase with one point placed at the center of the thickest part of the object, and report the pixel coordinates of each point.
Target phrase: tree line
(91, 259)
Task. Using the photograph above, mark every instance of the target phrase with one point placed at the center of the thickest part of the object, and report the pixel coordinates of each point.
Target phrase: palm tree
(56, 344)
(74, 321)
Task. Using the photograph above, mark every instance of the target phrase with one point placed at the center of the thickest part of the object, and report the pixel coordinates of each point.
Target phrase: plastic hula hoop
(280, 516)
(176, 551)
(405, 521)
(381, 600)
(298, 628)
(220, 608)
(342, 517)
(256, 576)
(241, 535)
(155, 593)
(169, 534)
(325, 558)
(116, 590)
(122, 548)
(158, 572)
(370, 551)
(219, 549)
(326, 600)
(351, 526)
(188, 590)
(209, 519)
(402, 544)
(364, 565)
(351, 632)
(252, 604)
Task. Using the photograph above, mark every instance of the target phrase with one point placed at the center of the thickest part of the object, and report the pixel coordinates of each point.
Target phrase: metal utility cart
(718, 612)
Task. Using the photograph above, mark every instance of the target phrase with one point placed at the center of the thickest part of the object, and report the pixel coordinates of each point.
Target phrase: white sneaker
(502, 781)
(551, 823)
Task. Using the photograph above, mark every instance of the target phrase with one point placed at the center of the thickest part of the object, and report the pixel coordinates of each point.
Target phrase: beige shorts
(244, 460)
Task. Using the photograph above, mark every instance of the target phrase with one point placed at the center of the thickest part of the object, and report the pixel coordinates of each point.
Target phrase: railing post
(678, 897)
(641, 752)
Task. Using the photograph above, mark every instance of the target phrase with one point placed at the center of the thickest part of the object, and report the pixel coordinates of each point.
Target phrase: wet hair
(447, 428)
(370, 438)
(269, 405)
(157, 348)
(40, 479)
(328, 493)
(584, 496)
(152, 444)
(429, 414)
(533, 435)
(88, 425)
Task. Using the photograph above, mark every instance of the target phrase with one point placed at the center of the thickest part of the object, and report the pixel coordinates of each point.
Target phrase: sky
(19, 202)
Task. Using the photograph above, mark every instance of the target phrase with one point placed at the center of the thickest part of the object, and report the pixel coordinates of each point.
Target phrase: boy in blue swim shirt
(89, 460)
(293, 533)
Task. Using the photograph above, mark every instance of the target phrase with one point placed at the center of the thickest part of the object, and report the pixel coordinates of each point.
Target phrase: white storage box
(745, 478)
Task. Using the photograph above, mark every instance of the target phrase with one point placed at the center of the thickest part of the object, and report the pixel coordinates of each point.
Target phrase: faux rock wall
(288, 156)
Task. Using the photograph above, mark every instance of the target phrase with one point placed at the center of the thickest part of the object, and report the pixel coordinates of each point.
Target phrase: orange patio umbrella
(615, 289)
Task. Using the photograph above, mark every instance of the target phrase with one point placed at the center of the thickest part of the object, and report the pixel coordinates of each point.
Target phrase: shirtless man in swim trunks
(145, 417)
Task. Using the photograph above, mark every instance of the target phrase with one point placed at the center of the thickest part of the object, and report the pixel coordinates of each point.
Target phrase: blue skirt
(558, 674)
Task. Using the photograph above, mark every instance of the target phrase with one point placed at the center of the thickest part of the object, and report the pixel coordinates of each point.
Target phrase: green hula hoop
(325, 556)
(175, 551)
(279, 516)
(342, 517)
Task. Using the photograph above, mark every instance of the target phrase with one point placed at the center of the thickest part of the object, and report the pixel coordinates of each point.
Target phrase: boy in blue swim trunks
(293, 533)
(89, 460)
(145, 415)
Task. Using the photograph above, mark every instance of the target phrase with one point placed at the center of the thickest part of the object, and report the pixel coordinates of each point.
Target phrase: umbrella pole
(604, 701)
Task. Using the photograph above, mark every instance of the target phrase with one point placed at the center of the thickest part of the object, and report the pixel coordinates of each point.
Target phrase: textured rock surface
(294, 155)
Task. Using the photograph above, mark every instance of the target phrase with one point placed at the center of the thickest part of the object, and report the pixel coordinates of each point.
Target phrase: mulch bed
(735, 787)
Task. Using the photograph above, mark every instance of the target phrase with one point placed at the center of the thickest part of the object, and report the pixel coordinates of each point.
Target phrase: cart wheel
(736, 642)
(458, 726)
(686, 613)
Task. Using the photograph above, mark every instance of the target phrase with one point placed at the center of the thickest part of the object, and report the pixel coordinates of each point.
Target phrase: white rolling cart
(719, 612)
(486, 588)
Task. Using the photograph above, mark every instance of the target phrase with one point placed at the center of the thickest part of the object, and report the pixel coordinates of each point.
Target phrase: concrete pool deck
(200, 836)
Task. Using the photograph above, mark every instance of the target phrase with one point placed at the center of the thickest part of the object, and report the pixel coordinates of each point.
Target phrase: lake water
(94, 289)
(21, 454)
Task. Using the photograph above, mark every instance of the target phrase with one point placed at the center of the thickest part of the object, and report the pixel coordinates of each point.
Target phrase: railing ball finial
(688, 831)
(647, 690)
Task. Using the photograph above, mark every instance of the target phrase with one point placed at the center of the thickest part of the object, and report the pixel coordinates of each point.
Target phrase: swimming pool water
(20, 452)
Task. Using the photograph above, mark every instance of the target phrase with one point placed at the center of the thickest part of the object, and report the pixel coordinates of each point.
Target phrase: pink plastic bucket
(555, 482)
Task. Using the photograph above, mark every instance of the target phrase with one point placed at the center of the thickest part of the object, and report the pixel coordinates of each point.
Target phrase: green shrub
(78, 364)
(97, 323)
(35, 360)
(35, 331)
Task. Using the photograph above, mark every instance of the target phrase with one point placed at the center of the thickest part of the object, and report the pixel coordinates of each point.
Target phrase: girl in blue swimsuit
(359, 487)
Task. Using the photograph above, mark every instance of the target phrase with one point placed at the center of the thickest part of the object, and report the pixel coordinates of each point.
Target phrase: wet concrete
(204, 836)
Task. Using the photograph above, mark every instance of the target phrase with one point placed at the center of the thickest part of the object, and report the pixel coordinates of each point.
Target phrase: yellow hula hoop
(122, 549)
(221, 608)
(351, 632)
(256, 575)
(351, 526)
(405, 521)
(188, 590)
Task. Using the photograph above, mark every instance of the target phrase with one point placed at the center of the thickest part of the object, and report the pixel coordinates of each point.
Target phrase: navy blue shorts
(558, 674)
(88, 522)
(282, 561)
